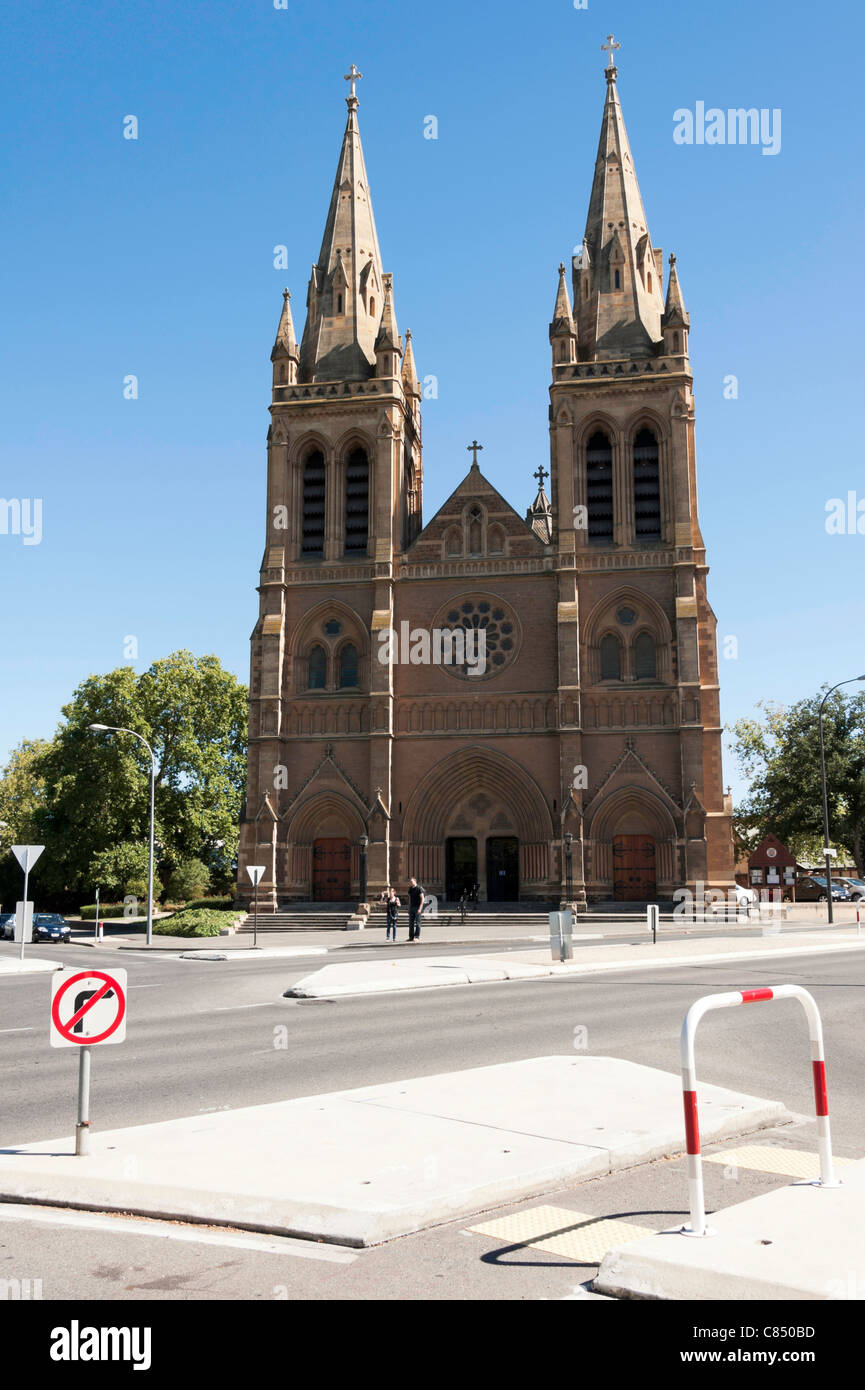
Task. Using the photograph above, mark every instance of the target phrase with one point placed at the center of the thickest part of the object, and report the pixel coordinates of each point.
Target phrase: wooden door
(503, 869)
(331, 871)
(633, 868)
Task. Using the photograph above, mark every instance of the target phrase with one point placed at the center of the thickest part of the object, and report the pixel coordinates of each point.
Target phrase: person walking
(391, 907)
(416, 901)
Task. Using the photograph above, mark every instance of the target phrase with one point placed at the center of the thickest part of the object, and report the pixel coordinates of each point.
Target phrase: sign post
(87, 1008)
(26, 856)
(256, 873)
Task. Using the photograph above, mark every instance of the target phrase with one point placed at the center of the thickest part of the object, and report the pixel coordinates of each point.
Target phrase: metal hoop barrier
(702, 1006)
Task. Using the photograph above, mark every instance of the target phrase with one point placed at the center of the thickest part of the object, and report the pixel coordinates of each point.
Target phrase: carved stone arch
(452, 543)
(306, 443)
(649, 617)
(630, 810)
(598, 422)
(465, 773)
(474, 519)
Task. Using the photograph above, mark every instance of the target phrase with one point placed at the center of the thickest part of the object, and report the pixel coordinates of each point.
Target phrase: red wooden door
(331, 871)
(633, 868)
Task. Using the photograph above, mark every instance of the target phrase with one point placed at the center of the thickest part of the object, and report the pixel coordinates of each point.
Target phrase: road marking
(17, 1030)
(560, 1231)
(96, 1221)
(231, 1008)
(772, 1158)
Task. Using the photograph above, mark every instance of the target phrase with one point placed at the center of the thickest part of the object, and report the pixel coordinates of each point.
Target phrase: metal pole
(96, 929)
(24, 909)
(255, 918)
(827, 856)
(150, 861)
(82, 1127)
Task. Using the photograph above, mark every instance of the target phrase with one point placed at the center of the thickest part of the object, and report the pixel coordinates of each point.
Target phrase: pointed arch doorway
(634, 871)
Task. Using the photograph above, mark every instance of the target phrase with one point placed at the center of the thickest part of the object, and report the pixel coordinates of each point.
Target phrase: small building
(771, 866)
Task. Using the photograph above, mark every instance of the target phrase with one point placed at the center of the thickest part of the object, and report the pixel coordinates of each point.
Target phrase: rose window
(494, 636)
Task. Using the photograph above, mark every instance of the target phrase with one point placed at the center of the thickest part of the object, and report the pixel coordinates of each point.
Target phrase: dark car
(7, 926)
(813, 890)
(50, 926)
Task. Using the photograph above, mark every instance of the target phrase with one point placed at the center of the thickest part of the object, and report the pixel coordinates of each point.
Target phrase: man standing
(415, 907)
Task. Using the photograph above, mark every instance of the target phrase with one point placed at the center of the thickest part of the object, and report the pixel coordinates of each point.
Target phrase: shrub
(106, 910)
(195, 922)
(218, 904)
(189, 879)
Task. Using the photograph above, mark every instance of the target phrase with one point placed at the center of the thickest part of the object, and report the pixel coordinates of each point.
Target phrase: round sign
(771, 852)
(109, 983)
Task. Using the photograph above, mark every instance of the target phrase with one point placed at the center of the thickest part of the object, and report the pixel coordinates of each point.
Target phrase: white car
(745, 897)
(855, 887)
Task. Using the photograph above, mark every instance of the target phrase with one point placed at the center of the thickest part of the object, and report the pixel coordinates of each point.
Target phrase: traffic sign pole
(82, 1126)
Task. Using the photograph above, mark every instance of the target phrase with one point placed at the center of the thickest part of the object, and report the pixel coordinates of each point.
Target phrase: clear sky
(154, 258)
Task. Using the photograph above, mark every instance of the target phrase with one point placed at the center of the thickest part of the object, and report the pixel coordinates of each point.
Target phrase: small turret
(676, 320)
(388, 344)
(285, 355)
(563, 334)
(410, 379)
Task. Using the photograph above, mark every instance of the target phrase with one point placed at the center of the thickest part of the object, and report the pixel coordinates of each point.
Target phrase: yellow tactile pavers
(560, 1231)
(771, 1158)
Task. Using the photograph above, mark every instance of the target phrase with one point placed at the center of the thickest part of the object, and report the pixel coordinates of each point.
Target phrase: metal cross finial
(473, 450)
(540, 475)
(353, 76)
(610, 47)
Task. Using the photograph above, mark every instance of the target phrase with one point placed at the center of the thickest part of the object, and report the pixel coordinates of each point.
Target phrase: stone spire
(410, 379)
(676, 320)
(563, 334)
(285, 356)
(346, 287)
(617, 278)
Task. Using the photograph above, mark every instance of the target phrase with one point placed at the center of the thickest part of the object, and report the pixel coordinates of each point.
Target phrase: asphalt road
(201, 1036)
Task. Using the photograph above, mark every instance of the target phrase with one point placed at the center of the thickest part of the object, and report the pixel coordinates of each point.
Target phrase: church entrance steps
(364, 1166)
(296, 921)
(411, 970)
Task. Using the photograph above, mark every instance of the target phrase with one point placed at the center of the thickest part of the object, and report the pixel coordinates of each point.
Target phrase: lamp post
(115, 729)
(569, 840)
(364, 841)
(826, 848)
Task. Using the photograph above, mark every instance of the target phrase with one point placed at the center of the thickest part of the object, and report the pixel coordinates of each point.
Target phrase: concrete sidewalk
(30, 965)
(364, 1166)
(415, 971)
(798, 1242)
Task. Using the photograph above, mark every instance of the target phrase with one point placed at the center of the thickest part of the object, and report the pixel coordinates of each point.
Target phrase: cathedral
(580, 760)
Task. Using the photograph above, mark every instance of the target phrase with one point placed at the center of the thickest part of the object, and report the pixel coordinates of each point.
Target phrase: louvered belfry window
(312, 543)
(599, 488)
(356, 502)
(611, 658)
(645, 659)
(647, 489)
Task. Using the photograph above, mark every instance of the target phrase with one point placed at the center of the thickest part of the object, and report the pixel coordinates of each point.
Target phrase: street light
(569, 840)
(115, 729)
(827, 852)
(364, 841)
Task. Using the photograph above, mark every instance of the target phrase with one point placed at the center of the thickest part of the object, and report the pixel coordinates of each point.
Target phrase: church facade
(580, 759)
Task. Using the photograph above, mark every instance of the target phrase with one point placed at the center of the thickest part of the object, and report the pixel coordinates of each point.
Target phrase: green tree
(22, 797)
(97, 785)
(121, 869)
(190, 880)
(779, 753)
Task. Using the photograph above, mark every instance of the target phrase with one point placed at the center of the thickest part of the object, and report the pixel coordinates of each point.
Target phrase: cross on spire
(353, 76)
(473, 449)
(540, 475)
(610, 47)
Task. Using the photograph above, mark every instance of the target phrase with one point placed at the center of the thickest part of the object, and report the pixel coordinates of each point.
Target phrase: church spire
(676, 320)
(563, 335)
(346, 287)
(410, 380)
(617, 279)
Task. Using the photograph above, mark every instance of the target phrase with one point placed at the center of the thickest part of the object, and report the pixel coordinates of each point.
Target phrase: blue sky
(155, 258)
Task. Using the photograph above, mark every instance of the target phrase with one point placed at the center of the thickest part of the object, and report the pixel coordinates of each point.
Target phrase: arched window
(645, 659)
(496, 541)
(371, 307)
(453, 542)
(356, 502)
(348, 667)
(618, 280)
(611, 658)
(647, 490)
(339, 303)
(312, 543)
(599, 488)
(476, 544)
(317, 669)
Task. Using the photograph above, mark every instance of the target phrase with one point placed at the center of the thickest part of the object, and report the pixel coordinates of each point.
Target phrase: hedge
(195, 922)
(217, 904)
(106, 910)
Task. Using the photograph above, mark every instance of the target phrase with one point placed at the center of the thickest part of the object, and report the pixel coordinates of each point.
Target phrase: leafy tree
(22, 796)
(190, 880)
(121, 868)
(97, 785)
(779, 753)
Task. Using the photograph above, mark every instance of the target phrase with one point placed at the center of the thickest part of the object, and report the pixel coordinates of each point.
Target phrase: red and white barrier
(702, 1006)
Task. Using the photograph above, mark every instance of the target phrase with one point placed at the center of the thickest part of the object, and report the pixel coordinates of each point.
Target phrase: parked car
(7, 926)
(813, 890)
(745, 897)
(855, 888)
(50, 926)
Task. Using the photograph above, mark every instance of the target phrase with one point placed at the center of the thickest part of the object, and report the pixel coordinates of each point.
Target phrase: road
(208, 1035)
